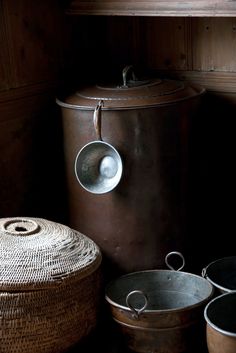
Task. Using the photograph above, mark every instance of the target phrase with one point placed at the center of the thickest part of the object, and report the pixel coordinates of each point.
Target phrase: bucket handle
(171, 254)
(204, 271)
(97, 119)
(136, 312)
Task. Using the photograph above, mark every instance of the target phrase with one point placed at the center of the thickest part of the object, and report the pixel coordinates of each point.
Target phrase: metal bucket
(222, 274)
(221, 329)
(160, 310)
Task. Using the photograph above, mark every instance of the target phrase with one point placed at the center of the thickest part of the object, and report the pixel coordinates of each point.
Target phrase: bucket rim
(154, 311)
(205, 273)
(210, 323)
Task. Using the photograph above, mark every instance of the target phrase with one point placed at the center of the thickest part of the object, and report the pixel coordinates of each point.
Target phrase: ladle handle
(170, 255)
(136, 312)
(97, 119)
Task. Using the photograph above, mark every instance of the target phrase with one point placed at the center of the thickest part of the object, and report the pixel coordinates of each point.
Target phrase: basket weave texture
(50, 286)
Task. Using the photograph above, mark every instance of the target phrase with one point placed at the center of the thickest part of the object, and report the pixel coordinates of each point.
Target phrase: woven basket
(50, 286)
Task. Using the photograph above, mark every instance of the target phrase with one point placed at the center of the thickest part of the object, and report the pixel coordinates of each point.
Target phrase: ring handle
(204, 270)
(136, 312)
(170, 255)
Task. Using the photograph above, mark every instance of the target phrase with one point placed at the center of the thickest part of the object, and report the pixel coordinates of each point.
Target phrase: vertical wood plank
(168, 42)
(4, 54)
(32, 58)
(122, 41)
(214, 44)
(37, 37)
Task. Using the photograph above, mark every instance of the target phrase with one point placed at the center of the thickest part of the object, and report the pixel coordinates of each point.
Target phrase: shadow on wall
(213, 187)
(31, 166)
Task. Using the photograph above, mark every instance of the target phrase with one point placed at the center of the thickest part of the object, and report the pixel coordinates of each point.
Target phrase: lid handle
(125, 71)
(20, 226)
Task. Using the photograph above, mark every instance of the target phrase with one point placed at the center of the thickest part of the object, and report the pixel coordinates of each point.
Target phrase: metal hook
(97, 119)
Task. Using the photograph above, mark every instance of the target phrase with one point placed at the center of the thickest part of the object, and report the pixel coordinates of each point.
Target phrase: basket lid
(36, 253)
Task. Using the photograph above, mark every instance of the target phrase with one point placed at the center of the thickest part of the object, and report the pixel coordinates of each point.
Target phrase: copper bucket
(145, 215)
(222, 274)
(160, 310)
(221, 328)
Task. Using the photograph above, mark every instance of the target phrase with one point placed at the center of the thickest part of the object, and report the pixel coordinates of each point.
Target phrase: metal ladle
(98, 165)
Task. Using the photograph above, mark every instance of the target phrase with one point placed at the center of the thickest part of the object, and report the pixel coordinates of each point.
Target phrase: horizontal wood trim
(28, 91)
(222, 82)
(26, 101)
(28, 107)
(220, 8)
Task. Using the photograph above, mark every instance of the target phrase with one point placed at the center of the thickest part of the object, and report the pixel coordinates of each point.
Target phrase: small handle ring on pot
(171, 254)
(137, 312)
(97, 119)
(204, 272)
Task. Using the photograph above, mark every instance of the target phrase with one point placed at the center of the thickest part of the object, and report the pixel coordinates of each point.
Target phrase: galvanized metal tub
(221, 329)
(221, 274)
(160, 310)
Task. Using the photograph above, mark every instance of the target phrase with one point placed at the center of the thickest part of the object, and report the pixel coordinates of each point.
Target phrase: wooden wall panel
(168, 43)
(89, 50)
(103, 46)
(37, 40)
(31, 163)
(4, 55)
(126, 34)
(17, 153)
(214, 44)
(223, 83)
(34, 43)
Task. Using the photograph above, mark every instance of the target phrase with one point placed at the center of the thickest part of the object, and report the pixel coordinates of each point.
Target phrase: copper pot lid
(132, 93)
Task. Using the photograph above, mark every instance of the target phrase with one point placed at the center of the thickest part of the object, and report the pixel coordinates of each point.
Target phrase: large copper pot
(148, 122)
(219, 315)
